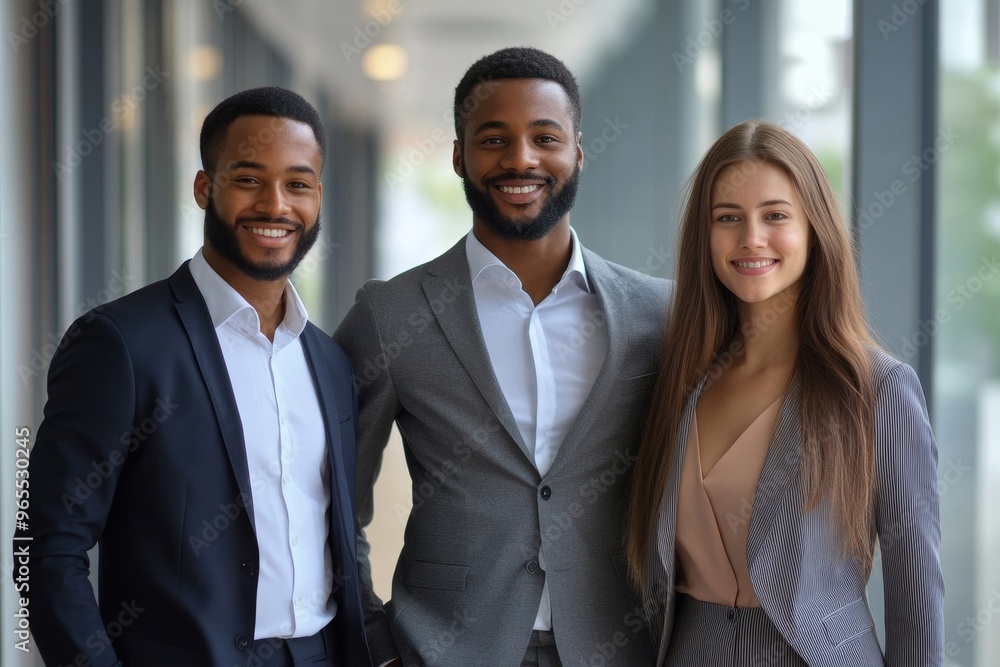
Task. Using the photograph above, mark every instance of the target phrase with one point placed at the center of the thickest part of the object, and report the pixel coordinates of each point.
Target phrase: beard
(222, 237)
(485, 210)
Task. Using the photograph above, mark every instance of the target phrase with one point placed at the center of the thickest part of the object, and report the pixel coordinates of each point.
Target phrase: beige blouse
(713, 515)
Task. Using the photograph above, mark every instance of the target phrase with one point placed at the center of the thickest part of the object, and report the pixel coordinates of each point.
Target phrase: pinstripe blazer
(814, 597)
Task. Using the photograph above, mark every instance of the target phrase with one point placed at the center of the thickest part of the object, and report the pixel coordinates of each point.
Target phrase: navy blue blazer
(141, 451)
(814, 597)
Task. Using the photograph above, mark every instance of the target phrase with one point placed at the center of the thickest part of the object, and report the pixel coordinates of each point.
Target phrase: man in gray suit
(517, 366)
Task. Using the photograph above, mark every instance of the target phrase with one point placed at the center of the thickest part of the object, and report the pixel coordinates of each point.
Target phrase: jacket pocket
(637, 384)
(848, 622)
(442, 576)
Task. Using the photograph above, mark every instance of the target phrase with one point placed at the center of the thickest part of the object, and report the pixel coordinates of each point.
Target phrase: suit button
(546, 493)
(532, 566)
(242, 642)
(731, 614)
(249, 568)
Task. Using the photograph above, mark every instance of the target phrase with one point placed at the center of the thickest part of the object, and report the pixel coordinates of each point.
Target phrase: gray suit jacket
(816, 599)
(467, 585)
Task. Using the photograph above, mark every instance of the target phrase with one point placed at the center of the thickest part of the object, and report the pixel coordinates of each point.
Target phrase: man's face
(262, 201)
(519, 158)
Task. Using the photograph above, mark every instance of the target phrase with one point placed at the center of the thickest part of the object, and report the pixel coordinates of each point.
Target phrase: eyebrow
(763, 204)
(500, 125)
(250, 164)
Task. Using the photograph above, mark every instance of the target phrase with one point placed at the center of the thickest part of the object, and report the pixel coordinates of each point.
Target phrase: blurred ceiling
(328, 41)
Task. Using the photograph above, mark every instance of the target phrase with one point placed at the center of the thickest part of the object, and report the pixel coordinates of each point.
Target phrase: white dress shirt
(283, 429)
(545, 357)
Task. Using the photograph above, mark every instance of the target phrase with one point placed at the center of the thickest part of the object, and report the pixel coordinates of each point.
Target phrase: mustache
(527, 176)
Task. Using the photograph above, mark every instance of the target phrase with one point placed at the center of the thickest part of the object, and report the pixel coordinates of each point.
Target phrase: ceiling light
(384, 62)
(205, 63)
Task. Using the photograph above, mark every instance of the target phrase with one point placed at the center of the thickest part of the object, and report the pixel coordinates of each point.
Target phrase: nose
(520, 156)
(273, 201)
(754, 235)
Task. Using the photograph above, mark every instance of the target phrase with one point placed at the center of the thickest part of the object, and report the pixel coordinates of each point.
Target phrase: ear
(456, 157)
(202, 189)
(319, 193)
(579, 150)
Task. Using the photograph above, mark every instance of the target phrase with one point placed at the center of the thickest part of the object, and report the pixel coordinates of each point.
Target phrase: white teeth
(515, 190)
(755, 265)
(271, 233)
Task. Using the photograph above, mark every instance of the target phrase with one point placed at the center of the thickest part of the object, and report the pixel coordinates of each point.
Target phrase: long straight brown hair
(832, 362)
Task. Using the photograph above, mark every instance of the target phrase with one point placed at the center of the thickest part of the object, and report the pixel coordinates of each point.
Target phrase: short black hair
(267, 101)
(515, 63)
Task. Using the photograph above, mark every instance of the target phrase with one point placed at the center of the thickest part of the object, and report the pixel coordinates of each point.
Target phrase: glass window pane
(814, 98)
(965, 331)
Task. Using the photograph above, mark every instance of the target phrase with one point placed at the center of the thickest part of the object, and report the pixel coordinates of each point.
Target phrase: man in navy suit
(201, 431)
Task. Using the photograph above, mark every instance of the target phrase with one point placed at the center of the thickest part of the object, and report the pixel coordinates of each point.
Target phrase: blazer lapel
(781, 468)
(662, 567)
(339, 489)
(198, 323)
(459, 320)
(615, 306)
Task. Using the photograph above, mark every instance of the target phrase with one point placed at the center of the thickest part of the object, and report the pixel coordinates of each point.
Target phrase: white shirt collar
(225, 304)
(480, 258)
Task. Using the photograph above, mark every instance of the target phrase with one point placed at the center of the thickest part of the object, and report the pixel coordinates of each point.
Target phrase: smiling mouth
(268, 232)
(755, 264)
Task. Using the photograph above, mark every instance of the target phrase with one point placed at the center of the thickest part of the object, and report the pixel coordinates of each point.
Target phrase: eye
(299, 185)
(727, 217)
(246, 180)
(547, 139)
(491, 141)
(775, 215)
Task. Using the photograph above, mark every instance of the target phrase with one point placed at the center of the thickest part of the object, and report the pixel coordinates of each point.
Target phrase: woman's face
(759, 236)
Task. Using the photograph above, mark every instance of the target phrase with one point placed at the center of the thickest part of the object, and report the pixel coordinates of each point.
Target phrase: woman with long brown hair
(782, 443)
